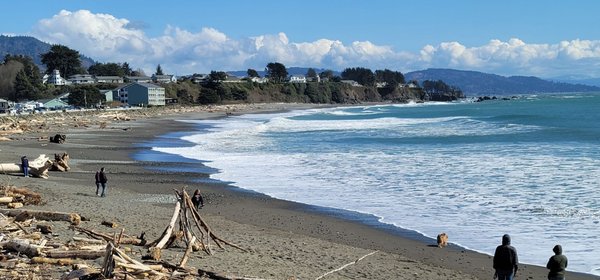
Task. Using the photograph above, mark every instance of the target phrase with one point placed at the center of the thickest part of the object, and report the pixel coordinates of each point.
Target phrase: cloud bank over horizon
(106, 38)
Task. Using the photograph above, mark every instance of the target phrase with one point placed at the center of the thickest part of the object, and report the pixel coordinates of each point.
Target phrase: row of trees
(24, 79)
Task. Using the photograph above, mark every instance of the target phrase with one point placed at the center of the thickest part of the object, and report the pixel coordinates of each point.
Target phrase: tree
(217, 76)
(63, 59)
(391, 78)
(108, 69)
(361, 75)
(276, 72)
(311, 73)
(440, 91)
(252, 73)
(126, 69)
(24, 89)
(86, 96)
(326, 75)
(159, 71)
(138, 73)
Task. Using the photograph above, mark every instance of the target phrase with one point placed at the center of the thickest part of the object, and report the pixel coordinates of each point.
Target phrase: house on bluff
(140, 94)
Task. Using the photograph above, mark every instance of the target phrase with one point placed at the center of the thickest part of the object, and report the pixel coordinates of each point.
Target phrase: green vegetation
(110, 69)
(276, 72)
(440, 91)
(63, 59)
(20, 80)
(85, 96)
(159, 71)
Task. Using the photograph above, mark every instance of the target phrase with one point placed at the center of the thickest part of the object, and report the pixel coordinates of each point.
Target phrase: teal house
(140, 94)
(54, 103)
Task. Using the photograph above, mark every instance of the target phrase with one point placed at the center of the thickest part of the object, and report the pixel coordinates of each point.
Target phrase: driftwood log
(79, 254)
(24, 214)
(22, 246)
(60, 163)
(37, 167)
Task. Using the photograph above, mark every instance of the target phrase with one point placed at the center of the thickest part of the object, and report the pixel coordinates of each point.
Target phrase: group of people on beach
(101, 181)
(506, 262)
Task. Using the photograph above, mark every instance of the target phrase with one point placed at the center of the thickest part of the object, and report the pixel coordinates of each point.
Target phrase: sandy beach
(284, 240)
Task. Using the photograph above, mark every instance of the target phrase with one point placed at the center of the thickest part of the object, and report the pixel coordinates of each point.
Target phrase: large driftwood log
(157, 245)
(37, 167)
(6, 199)
(24, 214)
(22, 246)
(79, 254)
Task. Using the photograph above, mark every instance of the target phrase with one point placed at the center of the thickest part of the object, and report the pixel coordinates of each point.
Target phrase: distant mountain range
(478, 83)
(32, 47)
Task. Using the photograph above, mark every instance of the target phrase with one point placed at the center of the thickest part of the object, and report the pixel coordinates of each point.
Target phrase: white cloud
(110, 39)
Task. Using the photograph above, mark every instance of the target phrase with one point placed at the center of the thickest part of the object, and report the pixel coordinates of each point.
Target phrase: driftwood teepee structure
(192, 230)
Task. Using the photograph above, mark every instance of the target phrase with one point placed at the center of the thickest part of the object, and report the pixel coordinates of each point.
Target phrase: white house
(109, 79)
(200, 78)
(351, 82)
(81, 79)
(164, 78)
(138, 79)
(55, 79)
(259, 80)
(232, 79)
(297, 79)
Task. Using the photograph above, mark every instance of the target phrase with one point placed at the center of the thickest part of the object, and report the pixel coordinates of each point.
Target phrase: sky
(541, 38)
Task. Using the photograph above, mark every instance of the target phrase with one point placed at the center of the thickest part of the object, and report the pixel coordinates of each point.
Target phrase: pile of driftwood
(26, 249)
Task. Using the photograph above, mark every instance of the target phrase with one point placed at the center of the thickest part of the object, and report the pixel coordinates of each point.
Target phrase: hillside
(32, 47)
(478, 83)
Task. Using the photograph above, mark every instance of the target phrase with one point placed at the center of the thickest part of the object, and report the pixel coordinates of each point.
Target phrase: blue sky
(533, 37)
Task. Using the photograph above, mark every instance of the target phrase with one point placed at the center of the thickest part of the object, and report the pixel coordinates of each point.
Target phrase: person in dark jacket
(103, 180)
(25, 165)
(557, 264)
(97, 183)
(506, 262)
(197, 199)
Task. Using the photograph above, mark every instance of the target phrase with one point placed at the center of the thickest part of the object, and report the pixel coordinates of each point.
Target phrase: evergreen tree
(252, 73)
(86, 96)
(63, 59)
(159, 71)
(311, 73)
(361, 75)
(24, 90)
(276, 72)
(126, 69)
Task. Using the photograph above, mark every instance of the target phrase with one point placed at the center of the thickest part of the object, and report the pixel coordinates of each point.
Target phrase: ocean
(529, 167)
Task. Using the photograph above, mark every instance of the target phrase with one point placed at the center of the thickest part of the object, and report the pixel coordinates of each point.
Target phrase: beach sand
(285, 240)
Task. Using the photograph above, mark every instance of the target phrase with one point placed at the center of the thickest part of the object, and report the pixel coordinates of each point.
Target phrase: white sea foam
(475, 192)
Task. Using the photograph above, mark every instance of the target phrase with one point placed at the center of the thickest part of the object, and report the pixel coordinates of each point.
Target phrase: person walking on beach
(103, 180)
(25, 166)
(557, 264)
(98, 183)
(197, 199)
(506, 262)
